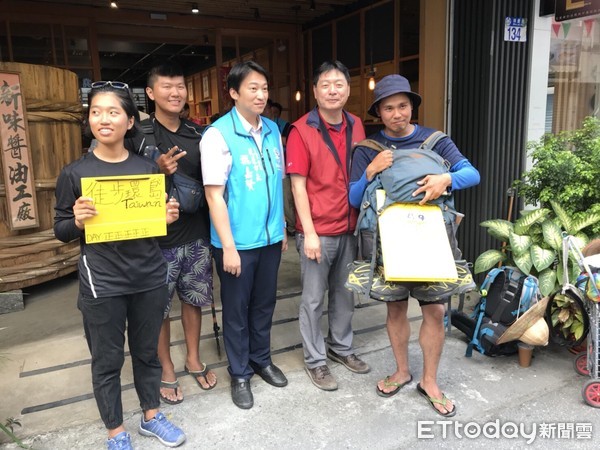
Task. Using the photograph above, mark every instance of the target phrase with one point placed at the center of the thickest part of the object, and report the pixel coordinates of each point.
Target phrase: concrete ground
(46, 384)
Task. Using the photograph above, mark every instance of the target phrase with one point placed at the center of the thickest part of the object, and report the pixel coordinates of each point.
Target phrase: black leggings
(104, 322)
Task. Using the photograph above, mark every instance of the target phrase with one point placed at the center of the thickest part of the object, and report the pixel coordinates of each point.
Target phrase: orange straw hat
(530, 328)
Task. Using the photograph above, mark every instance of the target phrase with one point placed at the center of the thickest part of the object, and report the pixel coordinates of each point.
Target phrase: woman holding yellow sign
(122, 283)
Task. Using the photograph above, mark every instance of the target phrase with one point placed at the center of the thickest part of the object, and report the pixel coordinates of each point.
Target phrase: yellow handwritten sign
(414, 243)
(129, 207)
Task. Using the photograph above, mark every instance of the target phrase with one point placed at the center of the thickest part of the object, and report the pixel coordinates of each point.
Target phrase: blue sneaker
(121, 441)
(163, 430)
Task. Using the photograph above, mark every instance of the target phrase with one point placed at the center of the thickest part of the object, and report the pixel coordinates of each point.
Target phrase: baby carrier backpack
(506, 293)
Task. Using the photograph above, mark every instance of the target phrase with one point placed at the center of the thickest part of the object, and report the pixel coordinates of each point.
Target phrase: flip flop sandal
(170, 385)
(432, 401)
(388, 383)
(201, 373)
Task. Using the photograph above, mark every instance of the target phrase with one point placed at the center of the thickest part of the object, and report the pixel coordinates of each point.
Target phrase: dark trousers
(104, 324)
(248, 304)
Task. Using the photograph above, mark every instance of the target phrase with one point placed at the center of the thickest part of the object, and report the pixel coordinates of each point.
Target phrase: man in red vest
(318, 159)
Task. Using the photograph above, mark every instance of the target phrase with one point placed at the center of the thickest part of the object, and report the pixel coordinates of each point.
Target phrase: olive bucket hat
(391, 85)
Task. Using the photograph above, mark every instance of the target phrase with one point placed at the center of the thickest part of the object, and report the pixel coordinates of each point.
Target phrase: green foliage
(8, 429)
(529, 219)
(11, 422)
(567, 317)
(563, 216)
(534, 244)
(552, 234)
(566, 178)
(541, 258)
(489, 259)
(566, 170)
(499, 228)
(547, 279)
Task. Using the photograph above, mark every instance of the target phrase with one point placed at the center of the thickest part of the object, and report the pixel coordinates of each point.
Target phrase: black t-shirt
(108, 269)
(189, 227)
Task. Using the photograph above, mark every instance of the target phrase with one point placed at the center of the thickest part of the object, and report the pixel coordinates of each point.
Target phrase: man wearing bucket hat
(394, 103)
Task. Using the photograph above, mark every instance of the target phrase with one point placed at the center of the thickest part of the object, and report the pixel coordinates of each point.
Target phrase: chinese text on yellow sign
(414, 243)
(129, 207)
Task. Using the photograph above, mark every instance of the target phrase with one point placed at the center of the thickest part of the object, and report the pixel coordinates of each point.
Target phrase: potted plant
(565, 182)
(566, 170)
(534, 244)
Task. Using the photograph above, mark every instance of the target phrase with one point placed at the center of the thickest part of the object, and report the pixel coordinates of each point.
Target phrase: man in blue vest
(273, 112)
(242, 169)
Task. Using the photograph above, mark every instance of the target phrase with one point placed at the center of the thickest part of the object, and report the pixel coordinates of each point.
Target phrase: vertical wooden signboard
(222, 80)
(19, 182)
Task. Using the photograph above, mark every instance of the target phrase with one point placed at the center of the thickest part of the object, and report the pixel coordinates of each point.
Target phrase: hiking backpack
(506, 293)
(399, 182)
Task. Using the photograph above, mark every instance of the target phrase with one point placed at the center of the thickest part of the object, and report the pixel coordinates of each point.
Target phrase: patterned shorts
(190, 273)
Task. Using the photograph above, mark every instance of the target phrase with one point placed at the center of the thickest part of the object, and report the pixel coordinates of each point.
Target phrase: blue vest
(254, 190)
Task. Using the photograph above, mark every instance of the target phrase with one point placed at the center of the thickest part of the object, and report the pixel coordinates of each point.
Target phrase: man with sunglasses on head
(186, 246)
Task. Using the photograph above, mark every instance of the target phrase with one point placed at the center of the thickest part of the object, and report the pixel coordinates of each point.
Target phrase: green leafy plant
(566, 169)
(534, 244)
(567, 317)
(564, 182)
(8, 429)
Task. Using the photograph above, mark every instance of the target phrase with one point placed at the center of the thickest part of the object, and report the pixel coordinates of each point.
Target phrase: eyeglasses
(115, 84)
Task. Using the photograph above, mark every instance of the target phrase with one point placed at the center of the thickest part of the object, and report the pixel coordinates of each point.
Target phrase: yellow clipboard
(414, 243)
(128, 206)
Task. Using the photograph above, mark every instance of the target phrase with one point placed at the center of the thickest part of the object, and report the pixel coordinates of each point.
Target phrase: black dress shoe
(241, 393)
(272, 375)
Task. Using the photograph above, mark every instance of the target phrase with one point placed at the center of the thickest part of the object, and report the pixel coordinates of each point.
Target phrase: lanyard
(332, 148)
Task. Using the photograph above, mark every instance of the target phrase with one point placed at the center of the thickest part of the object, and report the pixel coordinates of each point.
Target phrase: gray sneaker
(321, 377)
(351, 362)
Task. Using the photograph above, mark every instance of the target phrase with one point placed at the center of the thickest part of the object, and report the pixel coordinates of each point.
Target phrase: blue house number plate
(515, 29)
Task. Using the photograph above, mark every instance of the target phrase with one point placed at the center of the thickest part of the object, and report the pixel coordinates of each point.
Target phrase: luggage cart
(586, 363)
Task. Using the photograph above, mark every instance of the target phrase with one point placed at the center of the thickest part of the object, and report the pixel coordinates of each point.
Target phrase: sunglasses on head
(115, 84)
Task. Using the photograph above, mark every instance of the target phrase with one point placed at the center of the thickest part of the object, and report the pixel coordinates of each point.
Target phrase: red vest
(327, 179)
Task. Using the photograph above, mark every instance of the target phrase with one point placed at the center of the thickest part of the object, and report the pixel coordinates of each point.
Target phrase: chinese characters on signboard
(223, 74)
(16, 161)
(572, 9)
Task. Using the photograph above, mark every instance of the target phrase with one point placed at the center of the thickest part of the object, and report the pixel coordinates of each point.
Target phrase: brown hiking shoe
(352, 362)
(321, 377)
